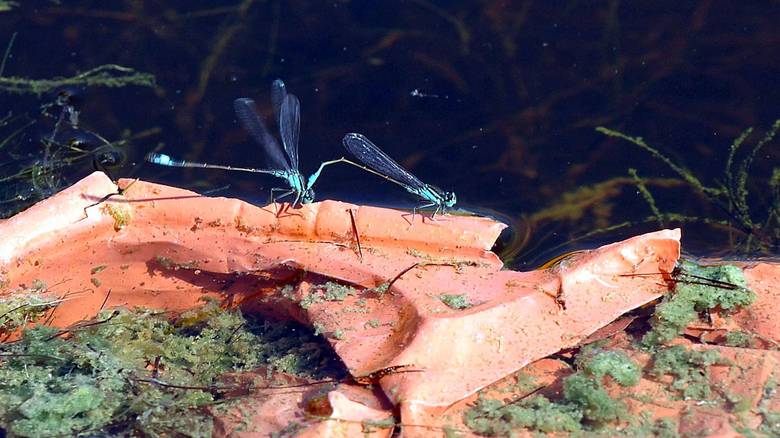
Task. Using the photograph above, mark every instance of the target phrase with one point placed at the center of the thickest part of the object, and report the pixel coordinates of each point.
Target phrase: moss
(417, 253)
(585, 406)
(494, 418)
(337, 292)
(288, 291)
(740, 339)
(770, 424)
(665, 428)
(22, 308)
(296, 349)
(123, 373)
(615, 364)
(698, 289)
(381, 289)
(524, 383)
(459, 301)
(592, 399)
(330, 291)
(49, 414)
(168, 263)
(309, 300)
(688, 368)
(738, 403)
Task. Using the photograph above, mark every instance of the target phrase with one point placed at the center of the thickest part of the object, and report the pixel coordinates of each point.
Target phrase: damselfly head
(450, 199)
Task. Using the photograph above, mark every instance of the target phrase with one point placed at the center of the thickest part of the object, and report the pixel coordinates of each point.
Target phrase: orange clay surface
(277, 400)
(162, 247)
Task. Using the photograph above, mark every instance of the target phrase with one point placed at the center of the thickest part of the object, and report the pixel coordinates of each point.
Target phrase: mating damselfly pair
(287, 112)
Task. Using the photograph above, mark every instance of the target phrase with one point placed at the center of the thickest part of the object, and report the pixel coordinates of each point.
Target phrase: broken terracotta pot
(280, 403)
(422, 306)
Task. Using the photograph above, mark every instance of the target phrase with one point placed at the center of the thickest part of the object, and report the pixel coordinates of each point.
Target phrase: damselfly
(287, 111)
(380, 164)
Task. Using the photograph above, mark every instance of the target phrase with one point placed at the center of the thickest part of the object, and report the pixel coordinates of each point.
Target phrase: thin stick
(7, 53)
(356, 234)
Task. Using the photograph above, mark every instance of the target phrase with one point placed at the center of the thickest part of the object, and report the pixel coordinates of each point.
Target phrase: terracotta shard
(282, 404)
(424, 309)
(760, 317)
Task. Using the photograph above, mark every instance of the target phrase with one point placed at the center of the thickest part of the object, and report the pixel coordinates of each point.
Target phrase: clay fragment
(423, 311)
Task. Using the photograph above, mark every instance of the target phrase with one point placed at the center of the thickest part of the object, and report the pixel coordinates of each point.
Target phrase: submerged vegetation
(140, 372)
(38, 166)
(109, 75)
(754, 228)
(41, 149)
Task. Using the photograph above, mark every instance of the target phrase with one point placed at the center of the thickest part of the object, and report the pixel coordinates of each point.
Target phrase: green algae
(688, 368)
(23, 307)
(740, 339)
(456, 301)
(329, 291)
(613, 363)
(584, 406)
(495, 418)
(138, 372)
(697, 289)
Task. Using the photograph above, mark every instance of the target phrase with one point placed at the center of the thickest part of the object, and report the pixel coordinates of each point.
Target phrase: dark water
(496, 100)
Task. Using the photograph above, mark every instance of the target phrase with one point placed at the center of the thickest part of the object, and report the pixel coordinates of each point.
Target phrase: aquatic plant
(757, 233)
(108, 75)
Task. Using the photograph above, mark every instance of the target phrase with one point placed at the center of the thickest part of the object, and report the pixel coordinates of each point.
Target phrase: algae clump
(585, 406)
(138, 372)
(455, 301)
(698, 289)
(689, 369)
(24, 307)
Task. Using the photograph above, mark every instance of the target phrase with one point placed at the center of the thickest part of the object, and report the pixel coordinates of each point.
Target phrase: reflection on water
(497, 101)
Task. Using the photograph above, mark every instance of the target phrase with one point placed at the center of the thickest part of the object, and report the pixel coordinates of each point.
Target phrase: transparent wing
(278, 93)
(253, 124)
(373, 157)
(290, 126)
